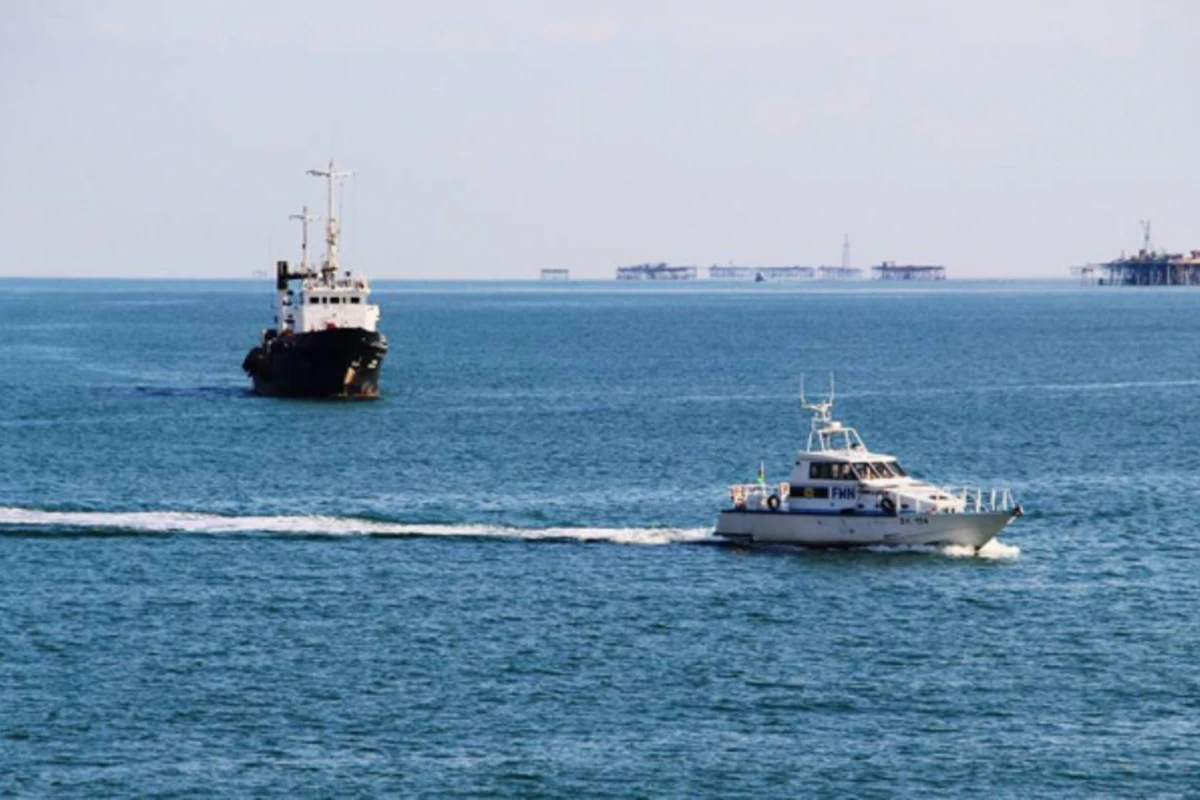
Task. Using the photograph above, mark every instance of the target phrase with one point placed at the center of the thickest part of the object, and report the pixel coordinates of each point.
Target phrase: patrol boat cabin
(836, 473)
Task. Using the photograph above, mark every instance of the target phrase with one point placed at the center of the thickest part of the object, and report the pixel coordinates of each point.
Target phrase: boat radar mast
(824, 432)
(330, 267)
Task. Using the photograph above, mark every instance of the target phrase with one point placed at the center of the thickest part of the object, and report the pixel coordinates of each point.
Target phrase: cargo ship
(325, 342)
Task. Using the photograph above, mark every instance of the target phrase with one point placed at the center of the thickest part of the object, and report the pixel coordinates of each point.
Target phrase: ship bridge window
(355, 299)
(335, 300)
(312, 301)
(829, 471)
(865, 472)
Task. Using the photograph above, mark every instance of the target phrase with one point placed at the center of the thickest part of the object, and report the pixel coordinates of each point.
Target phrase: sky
(490, 140)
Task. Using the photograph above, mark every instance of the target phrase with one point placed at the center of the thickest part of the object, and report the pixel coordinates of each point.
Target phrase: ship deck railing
(952, 500)
(959, 500)
(751, 495)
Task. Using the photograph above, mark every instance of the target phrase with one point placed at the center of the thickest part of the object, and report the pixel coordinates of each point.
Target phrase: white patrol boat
(841, 494)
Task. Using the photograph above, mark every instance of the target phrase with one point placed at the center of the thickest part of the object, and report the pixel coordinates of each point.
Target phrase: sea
(499, 579)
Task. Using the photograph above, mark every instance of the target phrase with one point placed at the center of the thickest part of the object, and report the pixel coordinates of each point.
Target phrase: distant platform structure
(743, 272)
(1144, 269)
(839, 273)
(891, 271)
(734, 273)
(556, 274)
(656, 272)
(1148, 268)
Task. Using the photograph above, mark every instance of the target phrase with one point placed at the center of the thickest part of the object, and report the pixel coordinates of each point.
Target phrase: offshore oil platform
(760, 274)
(656, 272)
(891, 271)
(732, 272)
(1149, 267)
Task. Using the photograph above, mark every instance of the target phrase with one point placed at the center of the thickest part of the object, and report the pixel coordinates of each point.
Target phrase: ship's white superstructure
(329, 297)
(841, 494)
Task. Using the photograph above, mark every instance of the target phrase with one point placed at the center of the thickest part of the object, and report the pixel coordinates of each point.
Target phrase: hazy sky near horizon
(494, 139)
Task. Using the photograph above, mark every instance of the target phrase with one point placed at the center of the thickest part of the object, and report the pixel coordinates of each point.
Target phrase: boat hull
(860, 530)
(340, 362)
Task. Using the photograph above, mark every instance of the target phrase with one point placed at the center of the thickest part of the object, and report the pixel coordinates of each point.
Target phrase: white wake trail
(995, 550)
(184, 522)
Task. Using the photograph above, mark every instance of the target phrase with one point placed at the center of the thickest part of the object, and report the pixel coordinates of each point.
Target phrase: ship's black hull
(340, 362)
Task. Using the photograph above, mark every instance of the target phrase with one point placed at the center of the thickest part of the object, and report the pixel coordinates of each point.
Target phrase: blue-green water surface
(498, 578)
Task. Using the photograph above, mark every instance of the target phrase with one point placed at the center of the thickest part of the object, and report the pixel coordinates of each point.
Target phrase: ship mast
(304, 218)
(330, 267)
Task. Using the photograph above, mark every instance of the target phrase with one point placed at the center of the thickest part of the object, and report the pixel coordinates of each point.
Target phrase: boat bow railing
(984, 500)
(960, 499)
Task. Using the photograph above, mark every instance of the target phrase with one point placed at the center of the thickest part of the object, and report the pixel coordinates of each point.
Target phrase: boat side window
(843, 472)
(830, 471)
(864, 471)
(898, 470)
(312, 301)
(335, 300)
(354, 299)
(882, 468)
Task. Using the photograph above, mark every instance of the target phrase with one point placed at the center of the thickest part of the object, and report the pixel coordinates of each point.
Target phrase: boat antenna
(822, 416)
(823, 408)
(330, 266)
(304, 218)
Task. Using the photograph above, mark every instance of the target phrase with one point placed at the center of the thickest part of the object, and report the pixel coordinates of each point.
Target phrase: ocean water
(499, 578)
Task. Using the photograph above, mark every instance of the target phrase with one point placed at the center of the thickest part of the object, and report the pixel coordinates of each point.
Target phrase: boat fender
(888, 506)
(773, 502)
(252, 361)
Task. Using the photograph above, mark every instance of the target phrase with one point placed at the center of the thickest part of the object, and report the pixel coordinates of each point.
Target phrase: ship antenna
(304, 218)
(330, 267)
(822, 415)
(822, 406)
